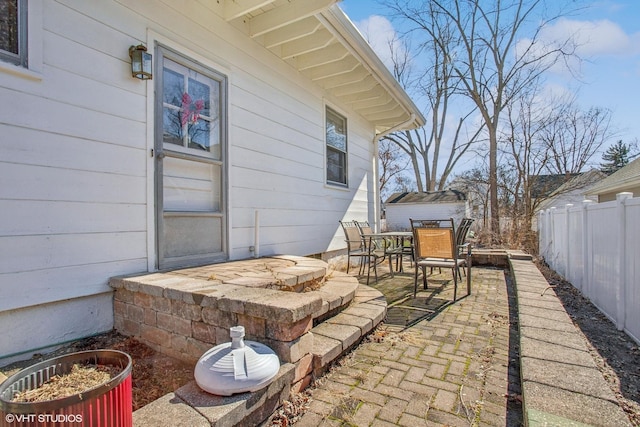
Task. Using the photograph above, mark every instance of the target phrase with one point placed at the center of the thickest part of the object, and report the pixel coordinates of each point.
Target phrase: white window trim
(327, 182)
(35, 34)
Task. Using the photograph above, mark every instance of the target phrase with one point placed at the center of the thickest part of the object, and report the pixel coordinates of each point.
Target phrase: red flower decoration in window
(191, 109)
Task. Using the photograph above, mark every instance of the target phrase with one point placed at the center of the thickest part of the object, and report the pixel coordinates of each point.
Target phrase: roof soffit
(316, 38)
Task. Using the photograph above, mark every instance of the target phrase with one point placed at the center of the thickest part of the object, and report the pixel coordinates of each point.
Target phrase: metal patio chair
(436, 246)
(377, 246)
(355, 244)
(462, 232)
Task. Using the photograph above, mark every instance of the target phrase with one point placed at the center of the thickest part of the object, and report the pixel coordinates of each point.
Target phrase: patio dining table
(398, 239)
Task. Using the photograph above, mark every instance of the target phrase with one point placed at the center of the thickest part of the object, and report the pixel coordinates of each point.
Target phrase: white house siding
(398, 214)
(77, 178)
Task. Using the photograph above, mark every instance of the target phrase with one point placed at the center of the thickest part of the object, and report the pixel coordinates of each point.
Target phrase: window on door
(191, 110)
(13, 31)
(336, 141)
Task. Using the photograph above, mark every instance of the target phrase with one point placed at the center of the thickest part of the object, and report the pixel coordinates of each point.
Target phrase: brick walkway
(449, 368)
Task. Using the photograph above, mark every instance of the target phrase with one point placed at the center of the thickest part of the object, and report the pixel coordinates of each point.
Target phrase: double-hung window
(336, 141)
(13, 31)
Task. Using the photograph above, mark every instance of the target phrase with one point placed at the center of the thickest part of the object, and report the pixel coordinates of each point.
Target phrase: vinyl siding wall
(76, 174)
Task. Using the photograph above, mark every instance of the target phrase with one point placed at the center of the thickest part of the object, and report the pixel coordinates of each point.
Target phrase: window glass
(13, 35)
(336, 131)
(335, 166)
(336, 140)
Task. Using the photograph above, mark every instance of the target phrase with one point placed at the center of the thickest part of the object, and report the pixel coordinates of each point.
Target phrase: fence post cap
(624, 195)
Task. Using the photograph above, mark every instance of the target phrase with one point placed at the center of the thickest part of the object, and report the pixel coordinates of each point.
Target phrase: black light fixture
(140, 62)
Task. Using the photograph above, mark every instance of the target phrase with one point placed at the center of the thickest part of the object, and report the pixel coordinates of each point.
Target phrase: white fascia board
(336, 20)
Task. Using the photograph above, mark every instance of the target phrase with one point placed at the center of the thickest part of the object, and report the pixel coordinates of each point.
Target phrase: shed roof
(446, 196)
(319, 40)
(620, 180)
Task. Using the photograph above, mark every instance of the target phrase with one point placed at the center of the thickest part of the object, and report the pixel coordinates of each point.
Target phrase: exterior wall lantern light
(140, 62)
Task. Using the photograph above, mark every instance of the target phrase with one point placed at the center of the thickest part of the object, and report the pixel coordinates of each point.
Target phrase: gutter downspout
(376, 166)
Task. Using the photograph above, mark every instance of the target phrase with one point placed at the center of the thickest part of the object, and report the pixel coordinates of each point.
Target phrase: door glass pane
(200, 135)
(172, 129)
(200, 92)
(172, 87)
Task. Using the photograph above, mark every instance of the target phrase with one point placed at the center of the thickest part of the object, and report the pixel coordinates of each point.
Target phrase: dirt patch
(153, 374)
(615, 353)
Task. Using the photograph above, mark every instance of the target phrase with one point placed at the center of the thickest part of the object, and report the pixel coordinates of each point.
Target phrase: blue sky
(610, 35)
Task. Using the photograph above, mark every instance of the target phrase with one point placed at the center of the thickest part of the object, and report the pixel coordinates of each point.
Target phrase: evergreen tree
(615, 157)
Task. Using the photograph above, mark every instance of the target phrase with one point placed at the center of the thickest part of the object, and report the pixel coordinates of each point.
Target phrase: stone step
(190, 406)
(337, 292)
(190, 310)
(338, 334)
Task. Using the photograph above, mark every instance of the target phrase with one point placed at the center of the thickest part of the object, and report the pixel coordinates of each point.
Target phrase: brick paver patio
(450, 366)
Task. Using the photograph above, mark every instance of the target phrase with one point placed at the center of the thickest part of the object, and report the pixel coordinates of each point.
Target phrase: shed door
(190, 162)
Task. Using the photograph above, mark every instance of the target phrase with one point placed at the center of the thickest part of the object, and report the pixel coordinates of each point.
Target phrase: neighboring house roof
(621, 180)
(544, 185)
(581, 182)
(447, 196)
(320, 41)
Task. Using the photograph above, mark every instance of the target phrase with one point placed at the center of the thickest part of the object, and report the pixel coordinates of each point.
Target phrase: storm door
(190, 162)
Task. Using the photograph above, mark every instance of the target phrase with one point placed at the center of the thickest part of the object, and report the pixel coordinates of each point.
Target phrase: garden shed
(399, 207)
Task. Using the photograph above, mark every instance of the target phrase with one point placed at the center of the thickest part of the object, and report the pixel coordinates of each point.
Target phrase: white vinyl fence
(596, 247)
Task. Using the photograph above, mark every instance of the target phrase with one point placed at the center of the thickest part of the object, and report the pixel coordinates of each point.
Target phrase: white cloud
(382, 37)
(591, 41)
(593, 38)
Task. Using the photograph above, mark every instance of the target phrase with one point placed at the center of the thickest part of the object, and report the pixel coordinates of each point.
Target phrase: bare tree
(532, 142)
(524, 156)
(573, 136)
(490, 56)
(392, 165)
(442, 140)
(539, 136)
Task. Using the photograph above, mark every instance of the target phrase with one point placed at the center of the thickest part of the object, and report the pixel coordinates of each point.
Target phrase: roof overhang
(319, 40)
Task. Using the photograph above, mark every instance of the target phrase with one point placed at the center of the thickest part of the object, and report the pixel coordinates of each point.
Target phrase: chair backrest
(425, 222)
(352, 234)
(364, 227)
(435, 242)
(463, 231)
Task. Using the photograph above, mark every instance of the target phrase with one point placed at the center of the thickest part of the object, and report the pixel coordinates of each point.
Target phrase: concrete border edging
(561, 384)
